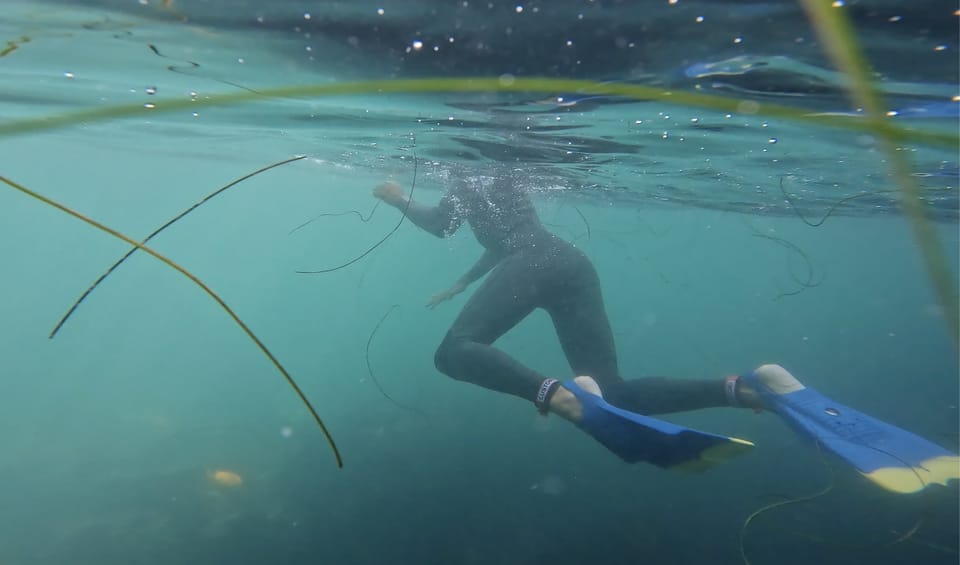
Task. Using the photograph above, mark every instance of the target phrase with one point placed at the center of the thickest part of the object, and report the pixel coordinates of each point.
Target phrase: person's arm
(440, 220)
(486, 262)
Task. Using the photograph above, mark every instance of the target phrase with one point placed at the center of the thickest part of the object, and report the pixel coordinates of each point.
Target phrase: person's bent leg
(505, 298)
(575, 302)
(662, 395)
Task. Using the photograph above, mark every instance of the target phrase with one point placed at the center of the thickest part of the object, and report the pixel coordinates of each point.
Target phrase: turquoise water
(112, 431)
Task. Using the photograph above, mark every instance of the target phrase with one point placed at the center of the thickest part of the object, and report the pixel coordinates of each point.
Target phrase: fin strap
(547, 389)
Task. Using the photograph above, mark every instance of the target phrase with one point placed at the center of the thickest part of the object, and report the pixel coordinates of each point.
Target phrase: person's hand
(445, 295)
(390, 192)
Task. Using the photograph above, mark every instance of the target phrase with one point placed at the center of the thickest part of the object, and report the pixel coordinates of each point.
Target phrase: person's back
(498, 210)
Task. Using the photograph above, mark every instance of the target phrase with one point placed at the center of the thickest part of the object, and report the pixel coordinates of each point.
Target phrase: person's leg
(571, 294)
(575, 303)
(663, 395)
(505, 297)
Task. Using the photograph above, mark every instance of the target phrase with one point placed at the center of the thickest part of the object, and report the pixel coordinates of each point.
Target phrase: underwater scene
(239, 323)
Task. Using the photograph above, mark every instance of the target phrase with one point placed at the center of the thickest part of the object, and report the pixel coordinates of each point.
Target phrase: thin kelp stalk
(795, 500)
(203, 286)
(413, 186)
(13, 45)
(337, 215)
(194, 65)
(901, 538)
(373, 377)
(133, 250)
(810, 281)
(585, 222)
(367, 355)
(791, 201)
(833, 207)
(464, 84)
(841, 44)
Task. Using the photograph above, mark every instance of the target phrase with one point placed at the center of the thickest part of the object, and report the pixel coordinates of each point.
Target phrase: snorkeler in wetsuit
(530, 268)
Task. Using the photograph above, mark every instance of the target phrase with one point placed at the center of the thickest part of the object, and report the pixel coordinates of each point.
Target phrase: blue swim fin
(637, 438)
(893, 458)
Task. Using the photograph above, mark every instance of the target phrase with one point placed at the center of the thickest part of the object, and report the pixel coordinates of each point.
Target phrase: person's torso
(501, 215)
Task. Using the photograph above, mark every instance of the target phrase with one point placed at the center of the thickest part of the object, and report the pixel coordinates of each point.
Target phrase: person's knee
(441, 358)
(446, 359)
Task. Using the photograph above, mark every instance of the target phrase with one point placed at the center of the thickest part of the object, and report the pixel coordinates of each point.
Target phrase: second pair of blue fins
(891, 457)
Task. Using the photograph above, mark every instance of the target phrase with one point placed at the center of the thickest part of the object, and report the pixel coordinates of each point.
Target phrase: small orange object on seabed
(225, 478)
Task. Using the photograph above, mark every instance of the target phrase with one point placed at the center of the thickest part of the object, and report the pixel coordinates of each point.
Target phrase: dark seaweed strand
(133, 250)
(898, 540)
(809, 283)
(585, 222)
(337, 214)
(833, 207)
(369, 250)
(916, 526)
(794, 500)
(830, 211)
(195, 280)
(194, 65)
(791, 247)
(373, 376)
(839, 203)
(575, 237)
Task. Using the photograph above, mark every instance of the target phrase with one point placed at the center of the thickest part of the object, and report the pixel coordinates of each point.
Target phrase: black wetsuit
(532, 268)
